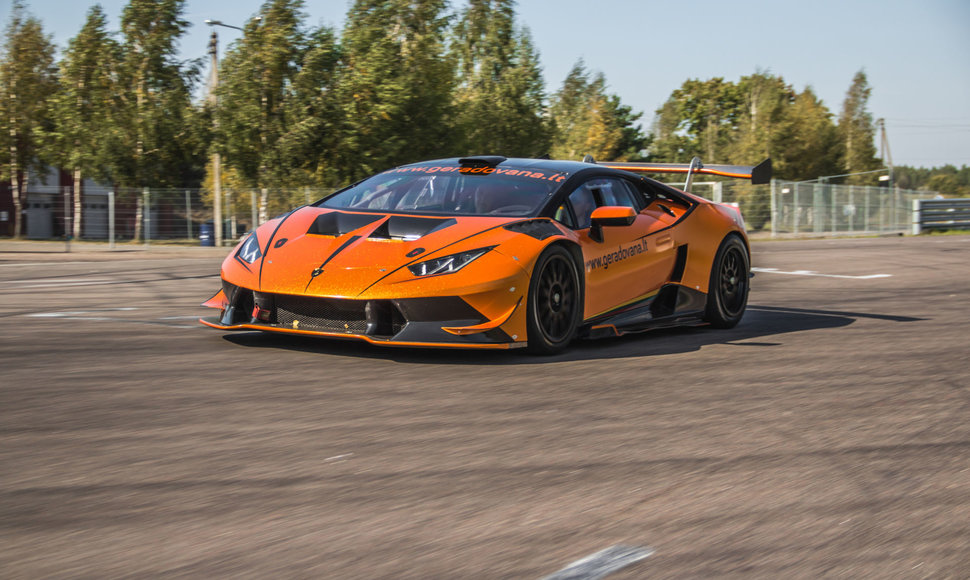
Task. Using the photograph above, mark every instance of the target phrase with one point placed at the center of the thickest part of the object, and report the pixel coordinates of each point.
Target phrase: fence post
(896, 218)
(797, 211)
(147, 216)
(111, 220)
(917, 210)
(774, 207)
(882, 211)
(67, 219)
(718, 192)
(254, 210)
(852, 206)
(306, 195)
(188, 215)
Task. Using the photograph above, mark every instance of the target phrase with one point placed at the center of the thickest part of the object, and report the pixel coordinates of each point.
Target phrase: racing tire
(555, 302)
(727, 294)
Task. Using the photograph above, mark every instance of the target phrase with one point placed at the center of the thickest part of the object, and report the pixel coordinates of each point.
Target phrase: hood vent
(409, 228)
(337, 223)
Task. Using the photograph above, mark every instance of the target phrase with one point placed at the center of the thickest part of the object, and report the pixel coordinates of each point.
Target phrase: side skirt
(673, 305)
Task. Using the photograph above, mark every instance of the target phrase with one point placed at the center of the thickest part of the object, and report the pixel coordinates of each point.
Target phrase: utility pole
(216, 158)
(884, 153)
(213, 101)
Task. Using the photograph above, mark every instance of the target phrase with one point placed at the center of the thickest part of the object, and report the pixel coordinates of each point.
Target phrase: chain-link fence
(186, 215)
(807, 208)
(149, 215)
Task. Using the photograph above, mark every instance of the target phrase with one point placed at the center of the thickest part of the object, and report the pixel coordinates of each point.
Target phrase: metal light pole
(213, 101)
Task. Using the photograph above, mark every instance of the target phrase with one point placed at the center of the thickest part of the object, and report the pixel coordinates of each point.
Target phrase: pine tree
(154, 92)
(857, 132)
(587, 120)
(395, 85)
(313, 134)
(500, 98)
(807, 141)
(84, 105)
(27, 82)
(256, 86)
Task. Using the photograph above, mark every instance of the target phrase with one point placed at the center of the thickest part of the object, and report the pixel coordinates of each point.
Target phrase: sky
(915, 53)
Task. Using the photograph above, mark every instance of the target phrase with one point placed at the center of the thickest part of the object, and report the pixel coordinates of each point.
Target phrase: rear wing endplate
(758, 174)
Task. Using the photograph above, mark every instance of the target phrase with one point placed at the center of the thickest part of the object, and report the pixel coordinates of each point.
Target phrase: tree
(807, 140)
(27, 82)
(313, 137)
(395, 86)
(500, 97)
(699, 118)
(154, 89)
(256, 85)
(587, 120)
(765, 106)
(857, 131)
(84, 105)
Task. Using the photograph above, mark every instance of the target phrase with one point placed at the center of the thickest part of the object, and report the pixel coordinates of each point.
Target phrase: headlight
(447, 264)
(249, 252)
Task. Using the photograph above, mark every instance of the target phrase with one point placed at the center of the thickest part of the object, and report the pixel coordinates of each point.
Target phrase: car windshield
(496, 191)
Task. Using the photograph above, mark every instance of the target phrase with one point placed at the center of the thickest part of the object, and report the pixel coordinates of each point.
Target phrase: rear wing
(758, 174)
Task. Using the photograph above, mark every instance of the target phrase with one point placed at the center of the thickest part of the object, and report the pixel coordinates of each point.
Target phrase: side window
(637, 200)
(583, 205)
(563, 216)
(617, 192)
(599, 192)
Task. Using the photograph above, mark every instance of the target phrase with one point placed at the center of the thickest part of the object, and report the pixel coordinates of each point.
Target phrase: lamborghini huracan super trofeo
(490, 252)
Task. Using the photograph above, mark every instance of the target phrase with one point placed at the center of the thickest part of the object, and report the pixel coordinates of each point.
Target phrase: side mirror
(609, 216)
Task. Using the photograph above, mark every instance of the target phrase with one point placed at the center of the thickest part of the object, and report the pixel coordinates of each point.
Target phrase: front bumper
(447, 321)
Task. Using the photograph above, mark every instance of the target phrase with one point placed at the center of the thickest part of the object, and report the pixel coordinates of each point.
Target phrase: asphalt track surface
(826, 436)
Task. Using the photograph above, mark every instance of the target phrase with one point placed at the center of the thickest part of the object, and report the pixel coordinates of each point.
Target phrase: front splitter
(213, 322)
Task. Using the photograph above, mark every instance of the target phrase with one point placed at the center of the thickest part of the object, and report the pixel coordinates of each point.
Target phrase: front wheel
(555, 302)
(727, 295)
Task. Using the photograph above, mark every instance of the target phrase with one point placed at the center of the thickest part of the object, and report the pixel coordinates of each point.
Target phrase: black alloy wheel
(555, 302)
(729, 285)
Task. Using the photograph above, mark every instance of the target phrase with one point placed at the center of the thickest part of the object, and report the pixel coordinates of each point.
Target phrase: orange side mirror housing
(610, 215)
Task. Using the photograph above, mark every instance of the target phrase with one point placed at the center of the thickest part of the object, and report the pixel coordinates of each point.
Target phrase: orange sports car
(490, 252)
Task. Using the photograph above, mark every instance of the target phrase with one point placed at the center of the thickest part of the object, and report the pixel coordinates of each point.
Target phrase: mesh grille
(322, 314)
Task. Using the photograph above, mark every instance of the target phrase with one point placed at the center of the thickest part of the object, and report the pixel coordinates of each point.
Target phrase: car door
(630, 263)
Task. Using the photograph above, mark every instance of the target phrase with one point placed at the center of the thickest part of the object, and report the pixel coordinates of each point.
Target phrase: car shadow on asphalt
(762, 327)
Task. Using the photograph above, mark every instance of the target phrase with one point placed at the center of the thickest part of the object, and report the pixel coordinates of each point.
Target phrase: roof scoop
(481, 161)
(399, 227)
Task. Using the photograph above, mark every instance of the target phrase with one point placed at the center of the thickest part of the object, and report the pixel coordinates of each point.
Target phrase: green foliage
(500, 97)
(255, 92)
(28, 82)
(152, 140)
(405, 80)
(587, 120)
(856, 131)
(394, 86)
(807, 143)
(85, 103)
(947, 180)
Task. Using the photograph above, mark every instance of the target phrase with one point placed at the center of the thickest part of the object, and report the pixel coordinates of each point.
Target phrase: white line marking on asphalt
(54, 280)
(25, 264)
(813, 273)
(98, 315)
(76, 312)
(598, 565)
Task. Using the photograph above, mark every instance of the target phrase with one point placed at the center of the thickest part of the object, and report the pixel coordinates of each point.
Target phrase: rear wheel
(727, 295)
(555, 302)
